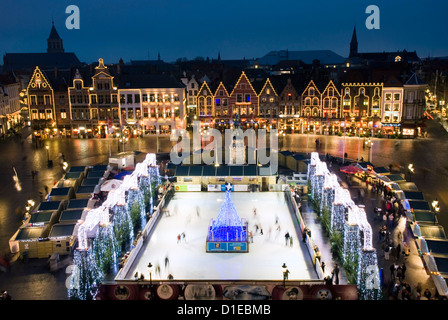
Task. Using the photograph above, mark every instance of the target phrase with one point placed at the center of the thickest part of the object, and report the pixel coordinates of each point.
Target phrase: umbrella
(351, 169)
(122, 174)
(111, 185)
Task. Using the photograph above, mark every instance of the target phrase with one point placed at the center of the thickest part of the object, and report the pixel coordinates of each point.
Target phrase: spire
(353, 44)
(54, 41)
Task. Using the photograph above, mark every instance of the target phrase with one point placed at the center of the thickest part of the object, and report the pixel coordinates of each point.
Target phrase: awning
(351, 169)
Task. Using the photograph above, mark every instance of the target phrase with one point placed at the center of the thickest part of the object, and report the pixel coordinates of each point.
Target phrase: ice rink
(191, 212)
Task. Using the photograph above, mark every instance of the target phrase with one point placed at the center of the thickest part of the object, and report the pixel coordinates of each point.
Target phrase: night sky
(139, 29)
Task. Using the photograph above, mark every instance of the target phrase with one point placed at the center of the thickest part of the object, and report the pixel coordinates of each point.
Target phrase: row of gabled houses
(289, 104)
(94, 102)
(59, 95)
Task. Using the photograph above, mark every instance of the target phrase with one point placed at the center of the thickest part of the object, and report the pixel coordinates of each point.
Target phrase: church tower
(353, 45)
(54, 42)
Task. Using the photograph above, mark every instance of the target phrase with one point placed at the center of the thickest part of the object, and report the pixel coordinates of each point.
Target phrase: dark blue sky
(138, 29)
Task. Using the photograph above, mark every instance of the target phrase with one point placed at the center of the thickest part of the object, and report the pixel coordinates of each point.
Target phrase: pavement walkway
(416, 275)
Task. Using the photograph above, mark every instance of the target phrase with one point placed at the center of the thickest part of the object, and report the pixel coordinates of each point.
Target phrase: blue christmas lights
(228, 226)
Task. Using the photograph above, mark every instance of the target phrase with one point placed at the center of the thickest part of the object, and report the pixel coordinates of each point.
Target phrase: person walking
(304, 235)
(290, 241)
(386, 252)
(335, 274)
(391, 220)
(403, 270)
(398, 251)
(392, 271)
(286, 238)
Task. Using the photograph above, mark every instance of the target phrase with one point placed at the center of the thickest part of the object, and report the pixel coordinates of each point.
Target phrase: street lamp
(411, 171)
(49, 162)
(48, 153)
(150, 273)
(285, 273)
(369, 145)
(435, 205)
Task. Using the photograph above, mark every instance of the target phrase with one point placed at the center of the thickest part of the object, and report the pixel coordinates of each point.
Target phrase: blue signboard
(224, 188)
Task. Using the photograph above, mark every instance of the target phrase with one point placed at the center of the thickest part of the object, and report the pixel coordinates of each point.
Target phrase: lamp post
(157, 133)
(49, 162)
(411, 171)
(435, 206)
(285, 273)
(150, 280)
(48, 153)
(369, 145)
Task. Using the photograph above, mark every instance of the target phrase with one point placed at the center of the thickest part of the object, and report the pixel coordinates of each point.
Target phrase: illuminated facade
(290, 110)
(151, 104)
(41, 104)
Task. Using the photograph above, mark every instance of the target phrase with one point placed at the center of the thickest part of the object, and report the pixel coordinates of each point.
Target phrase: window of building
(34, 114)
(136, 98)
(63, 114)
(107, 97)
(129, 98)
(388, 96)
(49, 114)
(33, 100)
(47, 100)
(114, 98)
(99, 86)
(239, 97)
(397, 96)
(218, 102)
(100, 99)
(176, 97)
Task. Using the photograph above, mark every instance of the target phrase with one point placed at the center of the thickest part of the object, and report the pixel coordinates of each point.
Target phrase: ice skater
(287, 236)
(167, 262)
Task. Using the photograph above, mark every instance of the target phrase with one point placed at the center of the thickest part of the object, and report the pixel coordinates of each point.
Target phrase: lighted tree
(105, 248)
(85, 276)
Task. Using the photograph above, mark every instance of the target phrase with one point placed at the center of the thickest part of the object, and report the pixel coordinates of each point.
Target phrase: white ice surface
(189, 260)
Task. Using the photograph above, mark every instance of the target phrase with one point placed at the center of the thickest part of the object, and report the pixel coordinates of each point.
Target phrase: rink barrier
(292, 204)
(146, 233)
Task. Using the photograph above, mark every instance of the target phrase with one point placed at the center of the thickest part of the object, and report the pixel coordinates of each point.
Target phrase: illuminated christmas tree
(228, 226)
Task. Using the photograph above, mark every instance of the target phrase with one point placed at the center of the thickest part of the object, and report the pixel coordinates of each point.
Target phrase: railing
(122, 273)
(292, 204)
